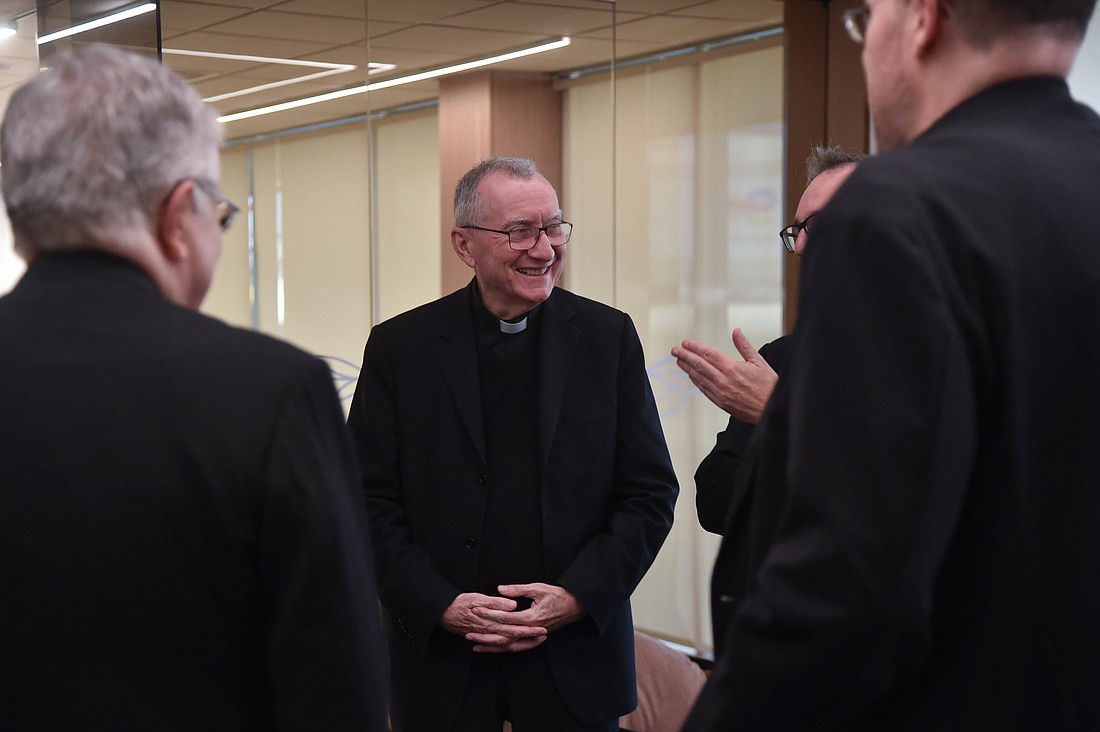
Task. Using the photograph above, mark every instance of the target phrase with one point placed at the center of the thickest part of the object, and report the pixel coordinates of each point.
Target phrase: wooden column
(825, 102)
(487, 113)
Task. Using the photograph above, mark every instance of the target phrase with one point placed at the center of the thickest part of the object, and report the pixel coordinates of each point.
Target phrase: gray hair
(91, 147)
(828, 158)
(468, 209)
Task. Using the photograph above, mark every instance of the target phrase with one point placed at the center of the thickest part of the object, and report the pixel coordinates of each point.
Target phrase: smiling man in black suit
(517, 479)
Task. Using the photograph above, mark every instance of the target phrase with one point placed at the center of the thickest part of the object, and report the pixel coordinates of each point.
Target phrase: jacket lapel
(458, 361)
(558, 344)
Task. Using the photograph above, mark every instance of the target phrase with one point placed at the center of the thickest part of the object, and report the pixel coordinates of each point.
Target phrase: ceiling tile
(294, 26)
(543, 19)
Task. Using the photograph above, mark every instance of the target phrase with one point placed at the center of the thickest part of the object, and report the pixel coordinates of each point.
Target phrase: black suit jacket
(716, 476)
(183, 545)
(931, 463)
(607, 493)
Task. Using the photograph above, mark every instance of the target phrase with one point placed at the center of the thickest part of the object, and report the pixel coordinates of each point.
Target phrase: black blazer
(182, 541)
(607, 492)
(930, 464)
(716, 476)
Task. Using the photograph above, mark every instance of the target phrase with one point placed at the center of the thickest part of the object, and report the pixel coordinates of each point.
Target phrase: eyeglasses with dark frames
(789, 234)
(226, 209)
(855, 22)
(522, 238)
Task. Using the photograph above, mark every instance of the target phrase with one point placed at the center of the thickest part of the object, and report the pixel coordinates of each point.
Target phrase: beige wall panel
(464, 139)
(326, 260)
(688, 250)
(266, 180)
(588, 198)
(408, 224)
(228, 298)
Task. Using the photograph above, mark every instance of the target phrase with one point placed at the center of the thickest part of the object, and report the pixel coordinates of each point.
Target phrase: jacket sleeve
(717, 474)
(643, 491)
(879, 450)
(321, 626)
(411, 587)
(716, 477)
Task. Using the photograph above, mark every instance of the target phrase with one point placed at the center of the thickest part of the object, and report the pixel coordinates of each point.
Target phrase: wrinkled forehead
(508, 199)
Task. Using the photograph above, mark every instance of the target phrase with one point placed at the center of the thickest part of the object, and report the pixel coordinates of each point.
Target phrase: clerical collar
(517, 327)
(489, 320)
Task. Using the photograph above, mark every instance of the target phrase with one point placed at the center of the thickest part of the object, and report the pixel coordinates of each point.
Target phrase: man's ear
(172, 238)
(460, 240)
(927, 18)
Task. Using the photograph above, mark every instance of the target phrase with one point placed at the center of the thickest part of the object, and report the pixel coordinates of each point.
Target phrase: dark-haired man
(724, 496)
(742, 387)
(933, 565)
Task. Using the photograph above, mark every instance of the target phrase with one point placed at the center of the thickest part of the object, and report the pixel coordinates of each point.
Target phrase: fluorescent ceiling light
(107, 20)
(329, 70)
(341, 93)
(8, 28)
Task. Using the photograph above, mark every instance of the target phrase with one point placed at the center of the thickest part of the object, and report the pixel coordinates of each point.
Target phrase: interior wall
(407, 224)
(683, 237)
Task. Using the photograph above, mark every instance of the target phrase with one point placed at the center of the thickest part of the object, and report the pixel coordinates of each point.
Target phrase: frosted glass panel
(690, 250)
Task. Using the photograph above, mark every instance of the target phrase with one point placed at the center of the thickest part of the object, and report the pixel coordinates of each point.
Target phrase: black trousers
(517, 687)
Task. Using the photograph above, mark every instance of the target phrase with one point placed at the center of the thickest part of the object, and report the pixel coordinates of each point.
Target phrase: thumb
(741, 343)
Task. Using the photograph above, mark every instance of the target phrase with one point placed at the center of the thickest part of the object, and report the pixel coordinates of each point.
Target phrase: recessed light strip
(542, 48)
(329, 69)
(258, 59)
(107, 20)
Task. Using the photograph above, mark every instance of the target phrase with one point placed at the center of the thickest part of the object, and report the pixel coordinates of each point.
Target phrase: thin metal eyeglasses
(225, 210)
(789, 234)
(855, 22)
(522, 238)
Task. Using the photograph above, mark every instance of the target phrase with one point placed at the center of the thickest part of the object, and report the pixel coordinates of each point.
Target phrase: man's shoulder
(203, 334)
(586, 306)
(424, 317)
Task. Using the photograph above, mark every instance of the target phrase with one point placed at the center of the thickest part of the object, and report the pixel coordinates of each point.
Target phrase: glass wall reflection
(671, 162)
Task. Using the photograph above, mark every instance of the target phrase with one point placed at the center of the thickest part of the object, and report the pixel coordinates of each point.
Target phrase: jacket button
(471, 543)
(481, 479)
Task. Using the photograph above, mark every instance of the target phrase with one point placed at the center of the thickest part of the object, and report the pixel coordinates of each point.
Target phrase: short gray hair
(91, 147)
(468, 209)
(828, 158)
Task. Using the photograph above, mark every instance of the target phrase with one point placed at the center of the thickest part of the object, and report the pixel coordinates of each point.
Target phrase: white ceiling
(414, 35)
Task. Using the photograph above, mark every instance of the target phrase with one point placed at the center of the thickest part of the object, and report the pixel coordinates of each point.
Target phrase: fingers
(531, 590)
(741, 343)
(515, 635)
(517, 646)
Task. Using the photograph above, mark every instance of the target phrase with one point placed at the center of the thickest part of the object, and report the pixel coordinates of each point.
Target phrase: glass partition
(671, 130)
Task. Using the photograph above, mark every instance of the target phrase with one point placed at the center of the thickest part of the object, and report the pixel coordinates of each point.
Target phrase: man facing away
(933, 563)
(517, 479)
(182, 541)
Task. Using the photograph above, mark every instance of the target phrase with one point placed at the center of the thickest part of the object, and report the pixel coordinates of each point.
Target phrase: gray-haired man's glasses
(226, 209)
(522, 238)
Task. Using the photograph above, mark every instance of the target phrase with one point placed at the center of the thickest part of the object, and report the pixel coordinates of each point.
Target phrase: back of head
(823, 159)
(91, 147)
(983, 21)
(467, 206)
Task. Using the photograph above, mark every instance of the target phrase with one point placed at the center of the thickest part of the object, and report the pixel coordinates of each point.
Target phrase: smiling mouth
(533, 272)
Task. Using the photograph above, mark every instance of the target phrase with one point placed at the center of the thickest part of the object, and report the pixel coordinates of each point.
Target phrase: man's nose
(541, 248)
